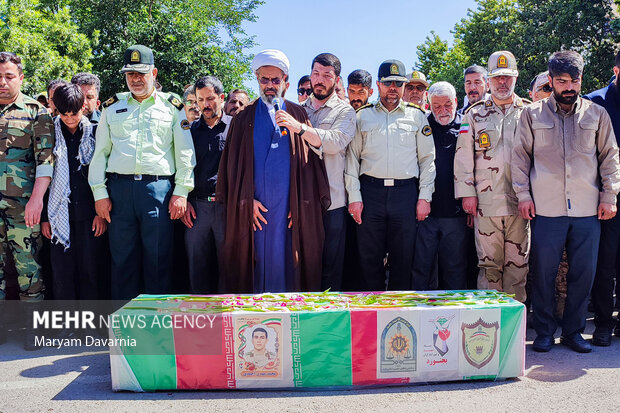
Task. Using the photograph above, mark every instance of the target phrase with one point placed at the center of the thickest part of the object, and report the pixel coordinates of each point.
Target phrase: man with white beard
(443, 236)
(482, 179)
(274, 189)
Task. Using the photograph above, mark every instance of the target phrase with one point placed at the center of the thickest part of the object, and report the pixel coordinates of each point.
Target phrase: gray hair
(189, 91)
(442, 89)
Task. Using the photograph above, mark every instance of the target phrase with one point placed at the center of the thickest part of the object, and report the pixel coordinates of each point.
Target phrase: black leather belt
(140, 177)
(387, 182)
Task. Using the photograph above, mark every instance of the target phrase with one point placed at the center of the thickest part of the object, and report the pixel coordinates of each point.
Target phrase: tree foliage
(532, 30)
(186, 38)
(189, 39)
(48, 42)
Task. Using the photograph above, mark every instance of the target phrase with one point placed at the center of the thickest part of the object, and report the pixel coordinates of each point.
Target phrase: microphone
(276, 106)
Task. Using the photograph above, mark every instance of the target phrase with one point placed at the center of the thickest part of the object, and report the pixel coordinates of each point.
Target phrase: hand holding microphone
(277, 107)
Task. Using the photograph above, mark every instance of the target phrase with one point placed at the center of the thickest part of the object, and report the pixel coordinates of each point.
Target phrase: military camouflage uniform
(482, 169)
(26, 142)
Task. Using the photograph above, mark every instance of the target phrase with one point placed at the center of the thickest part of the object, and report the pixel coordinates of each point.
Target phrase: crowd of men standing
(332, 193)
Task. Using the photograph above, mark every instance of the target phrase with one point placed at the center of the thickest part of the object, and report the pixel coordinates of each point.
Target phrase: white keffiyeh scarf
(58, 205)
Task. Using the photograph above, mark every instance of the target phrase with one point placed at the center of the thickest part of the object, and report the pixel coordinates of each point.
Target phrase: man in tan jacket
(482, 180)
(565, 174)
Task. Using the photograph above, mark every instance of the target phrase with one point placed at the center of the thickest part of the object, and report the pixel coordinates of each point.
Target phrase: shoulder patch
(413, 105)
(110, 101)
(426, 130)
(185, 124)
(367, 105)
(175, 102)
(480, 102)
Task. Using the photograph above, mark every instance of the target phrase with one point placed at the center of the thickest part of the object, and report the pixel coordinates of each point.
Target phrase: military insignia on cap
(426, 131)
(185, 124)
(135, 56)
(394, 69)
(483, 140)
(415, 75)
(488, 104)
(502, 61)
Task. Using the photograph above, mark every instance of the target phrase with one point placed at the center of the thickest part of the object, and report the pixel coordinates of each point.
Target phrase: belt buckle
(137, 177)
(388, 182)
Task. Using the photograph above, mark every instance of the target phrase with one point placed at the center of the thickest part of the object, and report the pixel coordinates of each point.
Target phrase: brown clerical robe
(308, 197)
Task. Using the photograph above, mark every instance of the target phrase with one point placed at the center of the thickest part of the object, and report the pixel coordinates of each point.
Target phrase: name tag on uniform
(274, 145)
(121, 110)
(388, 182)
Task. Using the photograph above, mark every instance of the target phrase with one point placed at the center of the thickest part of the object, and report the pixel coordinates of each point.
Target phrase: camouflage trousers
(23, 244)
(503, 246)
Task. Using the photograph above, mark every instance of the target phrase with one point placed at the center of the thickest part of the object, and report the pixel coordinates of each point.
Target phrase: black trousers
(203, 242)
(444, 240)
(352, 268)
(82, 271)
(388, 226)
(606, 271)
(333, 249)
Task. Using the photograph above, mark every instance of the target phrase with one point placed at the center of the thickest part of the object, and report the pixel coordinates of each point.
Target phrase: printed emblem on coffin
(398, 347)
(479, 341)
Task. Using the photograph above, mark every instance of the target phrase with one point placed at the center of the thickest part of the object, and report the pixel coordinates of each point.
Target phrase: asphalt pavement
(50, 380)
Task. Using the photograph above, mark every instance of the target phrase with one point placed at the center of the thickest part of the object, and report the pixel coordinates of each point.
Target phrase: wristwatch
(303, 130)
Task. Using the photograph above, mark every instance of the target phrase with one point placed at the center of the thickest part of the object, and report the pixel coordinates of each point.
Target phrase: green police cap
(392, 70)
(138, 58)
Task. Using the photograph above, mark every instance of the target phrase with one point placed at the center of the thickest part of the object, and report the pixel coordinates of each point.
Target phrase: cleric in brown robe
(275, 190)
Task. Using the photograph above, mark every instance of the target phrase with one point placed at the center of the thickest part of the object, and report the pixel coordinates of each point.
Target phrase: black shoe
(30, 342)
(576, 343)
(617, 330)
(543, 344)
(601, 337)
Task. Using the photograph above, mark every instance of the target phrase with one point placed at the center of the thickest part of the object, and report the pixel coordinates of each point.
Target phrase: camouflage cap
(392, 70)
(541, 80)
(502, 63)
(139, 59)
(416, 76)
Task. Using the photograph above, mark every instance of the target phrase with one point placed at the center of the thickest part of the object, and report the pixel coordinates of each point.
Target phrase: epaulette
(526, 101)
(413, 105)
(367, 105)
(175, 102)
(480, 102)
(110, 101)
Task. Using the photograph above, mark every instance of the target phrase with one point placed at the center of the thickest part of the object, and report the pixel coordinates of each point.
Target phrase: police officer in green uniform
(390, 179)
(140, 174)
(25, 172)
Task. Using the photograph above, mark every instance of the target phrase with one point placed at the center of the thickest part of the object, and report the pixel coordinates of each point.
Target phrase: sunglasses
(301, 91)
(419, 88)
(397, 83)
(547, 88)
(266, 80)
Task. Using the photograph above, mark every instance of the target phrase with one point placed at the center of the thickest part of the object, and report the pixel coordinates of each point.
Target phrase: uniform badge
(426, 131)
(502, 61)
(394, 69)
(484, 140)
(110, 101)
(488, 104)
(175, 102)
(185, 124)
(415, 75)
(135, 56)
